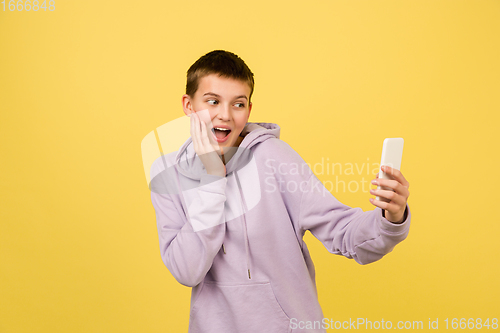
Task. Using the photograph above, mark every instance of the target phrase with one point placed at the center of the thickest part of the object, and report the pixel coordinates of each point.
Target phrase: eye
(212, 102)
(240, 105)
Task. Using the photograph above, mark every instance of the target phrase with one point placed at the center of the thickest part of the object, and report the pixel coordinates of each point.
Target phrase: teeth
(222, 129)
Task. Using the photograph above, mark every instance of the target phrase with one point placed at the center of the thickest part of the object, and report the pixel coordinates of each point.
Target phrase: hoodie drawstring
(245, 231)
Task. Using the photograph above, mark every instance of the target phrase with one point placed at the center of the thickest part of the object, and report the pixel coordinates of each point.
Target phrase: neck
(230, 151)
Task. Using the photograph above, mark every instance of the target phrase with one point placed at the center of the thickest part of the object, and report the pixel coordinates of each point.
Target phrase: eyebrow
(218, 96)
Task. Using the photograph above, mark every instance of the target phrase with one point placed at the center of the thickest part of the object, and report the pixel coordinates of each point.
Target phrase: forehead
(223, 86)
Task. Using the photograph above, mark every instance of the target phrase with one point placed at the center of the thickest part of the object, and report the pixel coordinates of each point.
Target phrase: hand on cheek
(203, 147)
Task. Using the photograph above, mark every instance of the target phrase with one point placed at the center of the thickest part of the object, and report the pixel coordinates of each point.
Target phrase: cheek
(241, 119)
(212, 114)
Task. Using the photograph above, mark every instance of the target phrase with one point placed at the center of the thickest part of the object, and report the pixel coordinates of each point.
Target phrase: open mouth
(221, 134)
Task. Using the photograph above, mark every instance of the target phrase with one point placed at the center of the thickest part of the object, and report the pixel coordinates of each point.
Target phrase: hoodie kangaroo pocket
(242, 308)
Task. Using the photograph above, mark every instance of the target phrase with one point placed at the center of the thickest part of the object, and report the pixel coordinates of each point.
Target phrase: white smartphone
(392, 153)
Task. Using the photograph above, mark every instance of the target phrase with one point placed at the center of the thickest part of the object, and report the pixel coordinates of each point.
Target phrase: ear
(187, 105)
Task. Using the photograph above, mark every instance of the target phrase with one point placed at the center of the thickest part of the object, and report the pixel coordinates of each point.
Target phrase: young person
(232, 206)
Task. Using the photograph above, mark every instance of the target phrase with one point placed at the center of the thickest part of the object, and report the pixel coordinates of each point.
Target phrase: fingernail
(374, 182)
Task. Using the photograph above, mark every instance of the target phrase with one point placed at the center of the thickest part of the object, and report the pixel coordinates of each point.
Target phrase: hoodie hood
(189, 165)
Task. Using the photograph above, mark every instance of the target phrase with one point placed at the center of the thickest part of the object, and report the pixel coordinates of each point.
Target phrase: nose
(224, 112)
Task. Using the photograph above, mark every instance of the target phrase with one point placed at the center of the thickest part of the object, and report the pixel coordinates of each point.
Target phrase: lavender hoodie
(238, 240)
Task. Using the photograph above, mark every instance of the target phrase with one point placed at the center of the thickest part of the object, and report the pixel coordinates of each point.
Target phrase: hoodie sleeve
(365, 236)
(189, 244)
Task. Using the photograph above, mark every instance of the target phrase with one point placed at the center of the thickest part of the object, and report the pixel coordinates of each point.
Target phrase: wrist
(395, 219)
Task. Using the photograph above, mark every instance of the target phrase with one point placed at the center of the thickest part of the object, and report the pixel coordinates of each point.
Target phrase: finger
(396, 174)
(392, 184)
(387, 206)
(384, 193)
(197, 135)
(203, 140)
(204, 136)
(379, 203)
(208, 137)
(192, 131)
(394, 197)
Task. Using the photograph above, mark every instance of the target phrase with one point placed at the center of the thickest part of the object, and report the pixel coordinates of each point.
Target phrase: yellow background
(81, 86)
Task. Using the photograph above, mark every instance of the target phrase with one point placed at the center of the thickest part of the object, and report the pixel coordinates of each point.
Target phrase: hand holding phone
(392, 192)
(392, 154)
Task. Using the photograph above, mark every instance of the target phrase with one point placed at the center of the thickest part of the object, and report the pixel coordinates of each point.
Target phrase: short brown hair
(223, 63)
